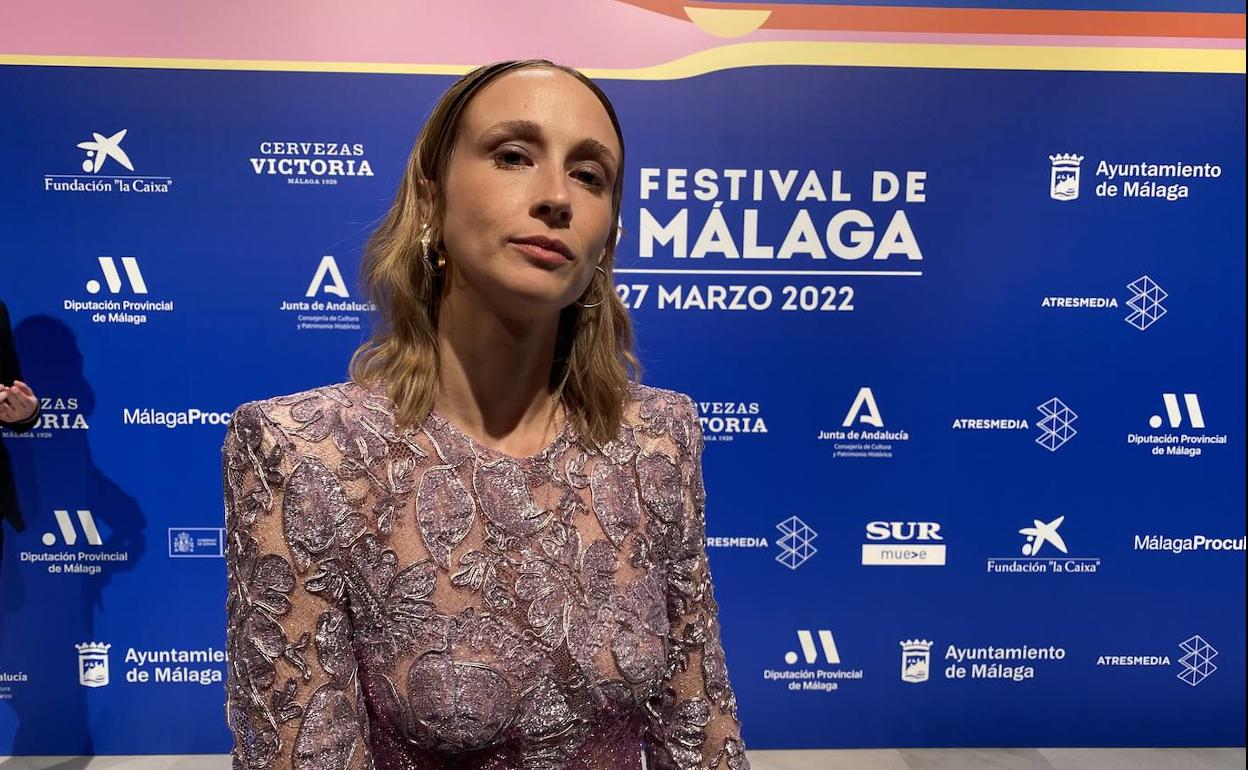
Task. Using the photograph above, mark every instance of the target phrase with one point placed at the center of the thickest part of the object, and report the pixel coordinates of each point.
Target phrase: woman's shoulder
(654, 396)
(304, 408)
(659, 409)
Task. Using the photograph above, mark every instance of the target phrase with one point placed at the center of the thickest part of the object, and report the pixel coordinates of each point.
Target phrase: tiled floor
(884, 759)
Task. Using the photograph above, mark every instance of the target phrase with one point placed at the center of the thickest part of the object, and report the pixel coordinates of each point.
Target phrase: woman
(486, 549)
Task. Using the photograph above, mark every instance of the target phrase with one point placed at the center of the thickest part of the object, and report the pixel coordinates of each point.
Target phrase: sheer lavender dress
(414, 600)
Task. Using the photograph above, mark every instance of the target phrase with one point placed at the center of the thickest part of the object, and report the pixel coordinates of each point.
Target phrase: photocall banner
(959, 294)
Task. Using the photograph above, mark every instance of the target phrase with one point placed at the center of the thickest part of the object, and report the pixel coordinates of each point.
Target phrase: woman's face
(536, 156)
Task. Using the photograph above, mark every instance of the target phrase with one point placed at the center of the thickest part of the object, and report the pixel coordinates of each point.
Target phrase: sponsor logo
(311, 163)
(173, 419)
(123, 283)
(725, 420)
(170, 666)
(313, 313)
(8, 679)
(1133, 660)
(874, 442)
(1181, 419)
(1144, 303)
(57, 414)
(1045, 551)
(115, 285)
(327, 280)
(815, 666)
(1154, 181)
(904, 543)
(1195, 664)
(79, 548)
(104, 168)
(93, 664)
(1187, 544)
(196, 542)
(1064, 176)
(796, 542)
(1197, 661)
(916, 660)
(69, 535)
(1057, 425)
(990, 423)
(736, 541)
(1011, 664)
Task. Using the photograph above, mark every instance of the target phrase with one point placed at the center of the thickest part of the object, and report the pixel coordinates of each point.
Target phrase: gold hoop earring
(436, 267)
(599, 302)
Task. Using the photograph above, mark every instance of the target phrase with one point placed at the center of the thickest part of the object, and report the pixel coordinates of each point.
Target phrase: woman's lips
(541, 255)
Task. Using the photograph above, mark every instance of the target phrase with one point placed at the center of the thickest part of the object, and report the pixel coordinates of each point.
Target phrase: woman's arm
(693, 721)
(293, 697)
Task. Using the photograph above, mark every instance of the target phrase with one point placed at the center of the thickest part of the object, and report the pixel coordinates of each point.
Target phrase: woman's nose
(553, 202)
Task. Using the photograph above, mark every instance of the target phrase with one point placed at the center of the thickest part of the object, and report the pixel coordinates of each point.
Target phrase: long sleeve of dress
(293, 695)
(693, 722)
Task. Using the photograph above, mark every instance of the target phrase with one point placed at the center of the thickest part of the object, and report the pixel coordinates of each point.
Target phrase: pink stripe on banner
(583, 33)
(1087, 41)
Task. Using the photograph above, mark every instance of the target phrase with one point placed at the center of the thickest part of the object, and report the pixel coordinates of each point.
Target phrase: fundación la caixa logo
(1044, 551)
(103, 170)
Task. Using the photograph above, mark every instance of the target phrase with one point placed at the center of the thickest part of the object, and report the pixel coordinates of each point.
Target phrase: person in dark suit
(19, 412)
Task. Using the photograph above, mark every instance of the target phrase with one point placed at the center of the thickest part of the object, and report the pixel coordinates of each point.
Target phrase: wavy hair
(594, 359)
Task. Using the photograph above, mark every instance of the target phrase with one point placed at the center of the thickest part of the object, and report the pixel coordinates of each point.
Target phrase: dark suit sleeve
(10, 370)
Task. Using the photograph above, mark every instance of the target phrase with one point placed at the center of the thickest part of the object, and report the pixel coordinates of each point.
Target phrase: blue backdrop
(893, 387)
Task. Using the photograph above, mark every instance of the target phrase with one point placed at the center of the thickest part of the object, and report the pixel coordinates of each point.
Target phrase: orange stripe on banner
(972, 20)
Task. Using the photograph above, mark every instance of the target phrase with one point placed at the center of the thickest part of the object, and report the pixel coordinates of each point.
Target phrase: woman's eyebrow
(530, 131)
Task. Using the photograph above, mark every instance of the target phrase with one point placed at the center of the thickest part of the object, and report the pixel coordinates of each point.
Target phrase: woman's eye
(506, 154)
(590, 178)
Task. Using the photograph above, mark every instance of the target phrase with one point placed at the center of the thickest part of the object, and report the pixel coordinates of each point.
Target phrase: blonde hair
(594, 359)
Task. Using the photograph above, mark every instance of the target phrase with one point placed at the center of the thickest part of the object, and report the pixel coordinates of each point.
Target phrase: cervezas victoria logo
(308, 163)
(729, 420)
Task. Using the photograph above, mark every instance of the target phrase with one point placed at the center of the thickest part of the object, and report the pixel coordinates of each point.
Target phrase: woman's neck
(494, 375)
